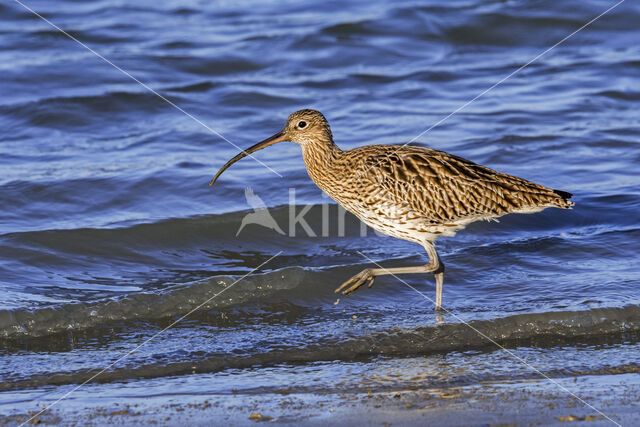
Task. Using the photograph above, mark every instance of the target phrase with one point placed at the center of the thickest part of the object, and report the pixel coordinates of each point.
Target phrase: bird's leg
(439, 282)
(368, 275)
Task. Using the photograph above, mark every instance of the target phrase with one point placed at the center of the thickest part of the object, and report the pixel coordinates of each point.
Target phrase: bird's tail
(563, 199)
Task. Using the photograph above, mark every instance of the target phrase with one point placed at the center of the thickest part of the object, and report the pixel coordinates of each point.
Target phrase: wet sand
(528, 402)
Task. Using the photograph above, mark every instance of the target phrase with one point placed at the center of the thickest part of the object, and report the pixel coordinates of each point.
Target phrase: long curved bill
(280, 136)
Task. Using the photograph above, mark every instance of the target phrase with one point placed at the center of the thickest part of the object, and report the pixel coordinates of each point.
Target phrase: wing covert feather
(441, 187)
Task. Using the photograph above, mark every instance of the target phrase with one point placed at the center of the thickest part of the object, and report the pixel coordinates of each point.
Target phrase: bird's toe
(351, 285)
(345, 284)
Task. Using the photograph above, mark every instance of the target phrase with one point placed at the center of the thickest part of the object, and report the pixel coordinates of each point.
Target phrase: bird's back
(432, 190)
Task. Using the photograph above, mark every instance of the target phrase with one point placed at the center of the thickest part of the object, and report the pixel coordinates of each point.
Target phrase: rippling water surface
(109, 232)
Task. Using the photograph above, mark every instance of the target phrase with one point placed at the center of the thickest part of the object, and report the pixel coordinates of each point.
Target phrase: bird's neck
(319, 158)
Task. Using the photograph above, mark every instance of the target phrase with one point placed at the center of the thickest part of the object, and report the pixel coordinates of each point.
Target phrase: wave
(591, 210)
(74, 111)
(552, 328)
(507, 27)
(616, 94)
(218, 66)
(182, 250)
(175, 301)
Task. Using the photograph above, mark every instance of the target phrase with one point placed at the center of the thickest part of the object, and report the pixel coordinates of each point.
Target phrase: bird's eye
(302, 124)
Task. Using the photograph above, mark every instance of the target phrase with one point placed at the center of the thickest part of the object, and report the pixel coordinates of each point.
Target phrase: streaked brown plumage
(412, 193)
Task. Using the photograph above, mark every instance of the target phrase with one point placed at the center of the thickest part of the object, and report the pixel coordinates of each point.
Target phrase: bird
(260, 214)
(409, 192)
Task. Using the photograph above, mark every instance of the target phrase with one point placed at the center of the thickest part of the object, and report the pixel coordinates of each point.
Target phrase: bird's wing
(441, 187)
(254, 201)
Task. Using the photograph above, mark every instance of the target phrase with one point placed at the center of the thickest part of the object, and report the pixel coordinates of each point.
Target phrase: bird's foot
(364, 277)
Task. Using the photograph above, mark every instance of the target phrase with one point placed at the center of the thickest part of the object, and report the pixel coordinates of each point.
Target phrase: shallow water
(109, 232)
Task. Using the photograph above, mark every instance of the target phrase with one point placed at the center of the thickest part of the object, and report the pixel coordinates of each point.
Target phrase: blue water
(109, 232)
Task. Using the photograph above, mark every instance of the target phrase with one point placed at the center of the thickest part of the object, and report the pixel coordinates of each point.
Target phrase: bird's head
(304, 127)
(307, 127)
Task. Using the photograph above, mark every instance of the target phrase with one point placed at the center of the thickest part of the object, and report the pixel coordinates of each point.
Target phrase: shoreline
(523, 402)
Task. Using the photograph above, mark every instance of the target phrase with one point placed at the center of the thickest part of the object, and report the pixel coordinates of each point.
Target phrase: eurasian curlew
(412, 193)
